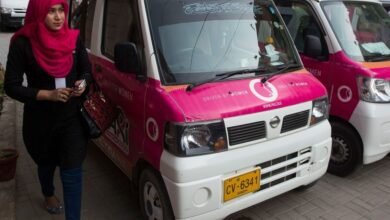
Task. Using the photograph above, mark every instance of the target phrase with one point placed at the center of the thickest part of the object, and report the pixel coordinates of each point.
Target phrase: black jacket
(44, 122)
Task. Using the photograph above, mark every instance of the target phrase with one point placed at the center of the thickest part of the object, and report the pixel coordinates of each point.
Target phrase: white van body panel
(148, 50)
(372, 121)
(96, 40)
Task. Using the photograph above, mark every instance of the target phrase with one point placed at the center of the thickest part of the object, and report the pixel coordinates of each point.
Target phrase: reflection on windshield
(200, 39)
(361, 28)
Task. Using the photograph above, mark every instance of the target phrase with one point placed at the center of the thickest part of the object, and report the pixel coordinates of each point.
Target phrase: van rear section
(217, 111)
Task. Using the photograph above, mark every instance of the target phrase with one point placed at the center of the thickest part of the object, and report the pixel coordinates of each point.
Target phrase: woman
(55, 63)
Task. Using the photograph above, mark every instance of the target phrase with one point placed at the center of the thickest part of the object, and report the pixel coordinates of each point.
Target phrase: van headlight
(5, 10)
(320, 110)
(191, 139)
(374, 90)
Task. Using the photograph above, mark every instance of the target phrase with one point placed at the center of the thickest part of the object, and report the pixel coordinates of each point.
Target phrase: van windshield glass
(197, 40)
(362, 29)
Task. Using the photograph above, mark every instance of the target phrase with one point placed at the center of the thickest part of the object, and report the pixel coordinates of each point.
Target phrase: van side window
(301, 22)
(82, 18)
(120, 25)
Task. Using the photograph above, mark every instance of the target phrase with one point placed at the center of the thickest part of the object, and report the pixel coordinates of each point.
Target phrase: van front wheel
(346, 150)
(154, 200)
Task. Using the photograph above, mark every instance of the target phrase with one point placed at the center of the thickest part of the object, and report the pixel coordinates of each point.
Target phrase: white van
(12, 13)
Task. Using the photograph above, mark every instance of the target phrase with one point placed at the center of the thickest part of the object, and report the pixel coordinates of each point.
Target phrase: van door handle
(98, 68)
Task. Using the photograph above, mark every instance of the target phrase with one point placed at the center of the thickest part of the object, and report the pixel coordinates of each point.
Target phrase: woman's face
(55, 18)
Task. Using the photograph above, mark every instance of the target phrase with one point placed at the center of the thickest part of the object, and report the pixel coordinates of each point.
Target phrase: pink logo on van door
(344, 93)
(264, 91)
(152, 129)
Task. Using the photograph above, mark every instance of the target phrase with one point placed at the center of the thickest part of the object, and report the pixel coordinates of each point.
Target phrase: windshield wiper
(222, 76)
(257, 71)
(281, 69)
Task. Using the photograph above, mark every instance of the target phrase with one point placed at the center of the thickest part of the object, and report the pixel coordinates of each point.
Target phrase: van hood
(378, 69)
(238, 97)
(22, 4)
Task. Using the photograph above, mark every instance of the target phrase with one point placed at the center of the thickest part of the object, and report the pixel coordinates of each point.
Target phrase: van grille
(20, 10)
(257, 130)
(283, 168)
(295, 121)
(247, 132)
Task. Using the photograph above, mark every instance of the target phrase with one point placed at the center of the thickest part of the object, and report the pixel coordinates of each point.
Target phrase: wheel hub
(152, 202)
(340, 150)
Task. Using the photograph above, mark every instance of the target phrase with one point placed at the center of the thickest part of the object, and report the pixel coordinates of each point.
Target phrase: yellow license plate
(240, 185)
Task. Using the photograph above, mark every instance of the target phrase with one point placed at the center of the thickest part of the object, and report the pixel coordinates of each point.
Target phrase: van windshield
(197, 40)
(362, 29)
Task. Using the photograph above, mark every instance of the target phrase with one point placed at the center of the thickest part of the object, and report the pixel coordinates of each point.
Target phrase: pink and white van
(345, 44)
(217, 112)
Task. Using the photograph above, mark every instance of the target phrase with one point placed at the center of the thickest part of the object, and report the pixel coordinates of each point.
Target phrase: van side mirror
(313, 47)
(127, 59)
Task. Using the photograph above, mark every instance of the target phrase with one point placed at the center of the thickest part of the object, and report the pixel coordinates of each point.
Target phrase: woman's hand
(79, 88)
(56, 95)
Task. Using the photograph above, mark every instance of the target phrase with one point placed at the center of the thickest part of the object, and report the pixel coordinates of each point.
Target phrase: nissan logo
(274, 122)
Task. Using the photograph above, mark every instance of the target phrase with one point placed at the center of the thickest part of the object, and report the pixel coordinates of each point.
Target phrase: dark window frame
(136, 37)
(319, 24)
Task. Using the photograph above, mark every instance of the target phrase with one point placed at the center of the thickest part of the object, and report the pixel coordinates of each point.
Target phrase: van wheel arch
(144, 176)
(139, 167)
(347, 141)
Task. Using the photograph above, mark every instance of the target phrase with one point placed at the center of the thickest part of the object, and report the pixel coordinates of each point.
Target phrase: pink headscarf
(53, 50)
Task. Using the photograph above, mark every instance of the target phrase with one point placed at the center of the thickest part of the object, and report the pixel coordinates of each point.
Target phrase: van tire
(153, 196)
(347, 150)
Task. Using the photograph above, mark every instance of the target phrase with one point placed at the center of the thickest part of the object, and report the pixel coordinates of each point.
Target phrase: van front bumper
(372, 121)
(195, 184)
(11, 21)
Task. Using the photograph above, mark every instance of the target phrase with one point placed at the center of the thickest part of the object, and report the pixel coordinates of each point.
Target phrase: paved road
(106, 195)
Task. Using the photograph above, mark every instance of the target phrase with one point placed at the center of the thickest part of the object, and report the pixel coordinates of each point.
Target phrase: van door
(329, 66)
(120, 24)
(301, 22)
